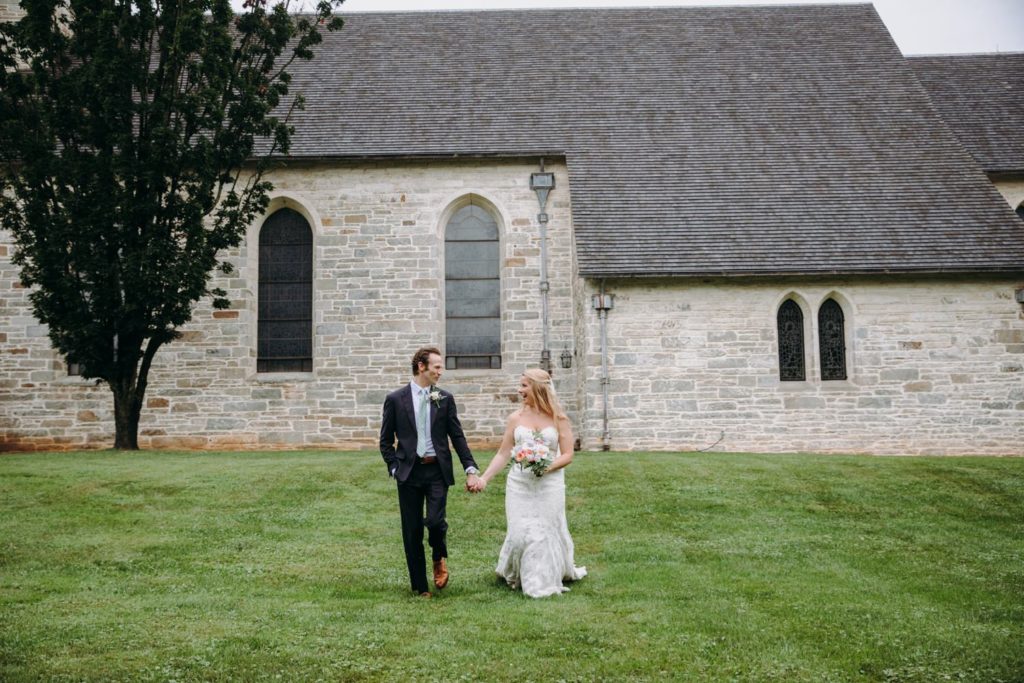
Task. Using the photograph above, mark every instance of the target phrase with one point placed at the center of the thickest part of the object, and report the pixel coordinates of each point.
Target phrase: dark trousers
(424, 485)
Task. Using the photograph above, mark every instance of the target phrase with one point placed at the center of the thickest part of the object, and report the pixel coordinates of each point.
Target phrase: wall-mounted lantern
(542, 183)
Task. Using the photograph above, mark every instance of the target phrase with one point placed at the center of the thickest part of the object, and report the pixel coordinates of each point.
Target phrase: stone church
(730, 228)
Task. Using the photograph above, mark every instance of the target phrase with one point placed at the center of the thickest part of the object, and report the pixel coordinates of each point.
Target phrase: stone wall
(378, 295)
(9, 10)
(933, 366)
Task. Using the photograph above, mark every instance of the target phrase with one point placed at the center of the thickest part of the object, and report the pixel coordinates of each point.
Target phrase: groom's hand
(474, 483)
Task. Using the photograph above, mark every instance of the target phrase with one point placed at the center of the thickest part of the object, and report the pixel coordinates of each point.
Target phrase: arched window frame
(453, 357)
(846, 306)
(831, 328)
(793, 302)
(266, 365)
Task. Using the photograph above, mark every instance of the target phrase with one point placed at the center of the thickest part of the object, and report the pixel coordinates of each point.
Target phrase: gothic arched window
(285, 327)
(791, 342)
(1020, 211)
(472, 289)
(831, 341)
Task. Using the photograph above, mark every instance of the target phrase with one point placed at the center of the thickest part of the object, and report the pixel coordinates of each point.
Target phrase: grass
(288, 566)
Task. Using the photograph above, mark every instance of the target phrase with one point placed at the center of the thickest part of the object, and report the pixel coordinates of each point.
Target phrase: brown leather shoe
(426, 594)
(440, 573)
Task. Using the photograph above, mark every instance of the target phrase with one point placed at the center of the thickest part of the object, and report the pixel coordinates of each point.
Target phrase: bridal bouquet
(532, 454)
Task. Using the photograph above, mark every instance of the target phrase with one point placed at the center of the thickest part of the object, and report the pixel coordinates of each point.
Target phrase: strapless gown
(537, 554)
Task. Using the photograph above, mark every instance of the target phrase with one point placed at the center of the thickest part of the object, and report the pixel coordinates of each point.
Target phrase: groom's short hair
(423, 356)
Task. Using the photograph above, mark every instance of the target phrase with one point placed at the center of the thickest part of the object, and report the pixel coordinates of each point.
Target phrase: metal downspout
(543, 183)
(602, 303)
(545, 354)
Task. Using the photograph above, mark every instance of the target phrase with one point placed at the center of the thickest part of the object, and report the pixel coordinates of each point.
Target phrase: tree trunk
(128, 396)
(126, 418)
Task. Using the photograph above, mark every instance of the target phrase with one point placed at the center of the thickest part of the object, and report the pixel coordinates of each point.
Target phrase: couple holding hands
(418, 423)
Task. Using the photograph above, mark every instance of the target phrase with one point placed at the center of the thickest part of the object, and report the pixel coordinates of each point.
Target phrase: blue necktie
(421, 425)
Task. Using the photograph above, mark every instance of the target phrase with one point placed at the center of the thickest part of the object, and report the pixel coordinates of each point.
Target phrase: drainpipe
(542, 183)
(603, 303)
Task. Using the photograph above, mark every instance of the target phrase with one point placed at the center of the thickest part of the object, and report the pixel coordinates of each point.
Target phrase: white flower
(435, 396)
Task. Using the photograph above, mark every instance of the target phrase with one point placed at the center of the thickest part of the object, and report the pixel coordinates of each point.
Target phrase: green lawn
(721, 567)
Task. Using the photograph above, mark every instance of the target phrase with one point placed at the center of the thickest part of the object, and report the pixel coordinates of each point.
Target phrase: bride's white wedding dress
(538, 550)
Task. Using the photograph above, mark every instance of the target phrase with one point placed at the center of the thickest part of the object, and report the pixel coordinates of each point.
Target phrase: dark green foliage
(126, 132)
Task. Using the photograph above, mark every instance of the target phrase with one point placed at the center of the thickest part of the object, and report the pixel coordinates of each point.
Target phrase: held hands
(475, 484)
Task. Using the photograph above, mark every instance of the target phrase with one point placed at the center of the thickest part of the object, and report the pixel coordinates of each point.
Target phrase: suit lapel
(434, 410)
(407, 404)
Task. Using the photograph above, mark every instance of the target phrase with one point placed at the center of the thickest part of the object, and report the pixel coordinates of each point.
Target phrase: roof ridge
(927, 55)
(622, 8)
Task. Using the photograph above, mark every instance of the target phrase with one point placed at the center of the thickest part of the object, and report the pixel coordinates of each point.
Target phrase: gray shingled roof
(981, 97)
(699, 140)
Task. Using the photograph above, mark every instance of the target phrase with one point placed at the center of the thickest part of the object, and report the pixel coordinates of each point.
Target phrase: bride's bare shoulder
(515, 418)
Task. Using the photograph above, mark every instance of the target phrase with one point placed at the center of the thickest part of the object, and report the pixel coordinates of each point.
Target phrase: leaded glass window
(472, 290)
(831, 341)
(285, 328)
(791, 342)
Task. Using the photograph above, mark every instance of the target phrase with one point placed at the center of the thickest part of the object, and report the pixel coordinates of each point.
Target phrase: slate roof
(699, 140)
(981, 97)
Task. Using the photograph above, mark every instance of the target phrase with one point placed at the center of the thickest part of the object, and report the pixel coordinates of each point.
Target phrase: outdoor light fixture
(566, 358)
(542, 183)
(603, 302)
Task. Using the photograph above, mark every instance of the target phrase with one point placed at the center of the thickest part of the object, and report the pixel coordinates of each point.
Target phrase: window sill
(465, 373)
(837, 385)
(831, 385)
(283, 377)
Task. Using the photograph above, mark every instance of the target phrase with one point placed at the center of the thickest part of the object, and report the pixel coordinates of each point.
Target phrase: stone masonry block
(803, 403)
(898, 374)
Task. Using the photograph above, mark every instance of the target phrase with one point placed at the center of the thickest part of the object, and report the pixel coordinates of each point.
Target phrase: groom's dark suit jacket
(400, 421)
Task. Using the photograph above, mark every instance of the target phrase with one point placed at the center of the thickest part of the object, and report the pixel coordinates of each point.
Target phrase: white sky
(918, 26)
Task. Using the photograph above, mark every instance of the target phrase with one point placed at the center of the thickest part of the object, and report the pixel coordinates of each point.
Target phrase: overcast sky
(918, 26)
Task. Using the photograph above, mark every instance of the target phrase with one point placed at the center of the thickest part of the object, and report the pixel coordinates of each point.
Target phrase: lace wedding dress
(538, 550)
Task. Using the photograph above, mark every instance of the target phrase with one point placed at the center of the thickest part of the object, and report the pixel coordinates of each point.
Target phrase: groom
(423, 418)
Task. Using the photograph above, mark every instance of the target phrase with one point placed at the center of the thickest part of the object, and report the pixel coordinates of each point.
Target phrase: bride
(538, 551)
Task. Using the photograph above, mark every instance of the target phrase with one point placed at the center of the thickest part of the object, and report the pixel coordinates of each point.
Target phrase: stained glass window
(831, 341)
(791, 342)
(472, 290)
(285, 328)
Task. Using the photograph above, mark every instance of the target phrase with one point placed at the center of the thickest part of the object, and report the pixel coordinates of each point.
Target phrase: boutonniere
(435, 396)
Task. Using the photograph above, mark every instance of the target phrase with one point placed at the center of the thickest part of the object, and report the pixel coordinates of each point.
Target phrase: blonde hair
(544, 393)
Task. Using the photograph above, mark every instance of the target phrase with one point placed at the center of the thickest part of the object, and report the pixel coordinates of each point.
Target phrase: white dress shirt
(418, 394)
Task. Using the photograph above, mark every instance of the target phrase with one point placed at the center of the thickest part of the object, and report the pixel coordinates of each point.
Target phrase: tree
(134, 136)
